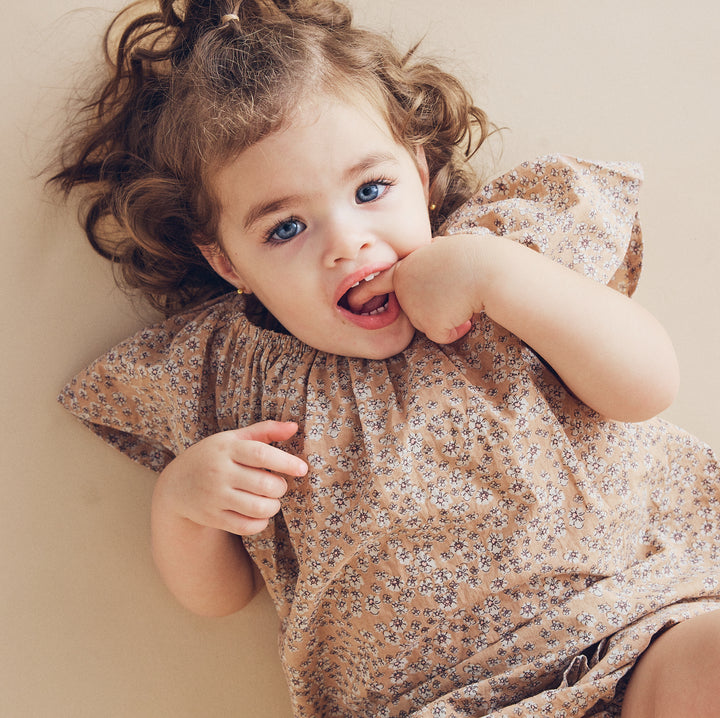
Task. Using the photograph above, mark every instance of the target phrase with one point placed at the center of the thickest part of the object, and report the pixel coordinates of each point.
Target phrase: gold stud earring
(432, 207)
(240, 291)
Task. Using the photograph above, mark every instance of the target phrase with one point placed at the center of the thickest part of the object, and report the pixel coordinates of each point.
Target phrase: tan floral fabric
(471, 540)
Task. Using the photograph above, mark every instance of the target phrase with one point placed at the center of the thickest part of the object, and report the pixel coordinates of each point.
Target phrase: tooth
(357, 284)
(371, 276)
(379, 310)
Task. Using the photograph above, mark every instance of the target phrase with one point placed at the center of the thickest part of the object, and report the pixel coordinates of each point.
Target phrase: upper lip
(361, 274)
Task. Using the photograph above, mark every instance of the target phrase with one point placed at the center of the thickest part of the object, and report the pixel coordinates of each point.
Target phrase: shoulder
(152, 394)
(582, 213)
(558, 173)
(209, 319)
(189, 331)
(150, 367)
(559, 180)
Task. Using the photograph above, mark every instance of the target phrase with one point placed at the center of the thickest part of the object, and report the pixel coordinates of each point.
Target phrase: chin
(365, 344)
(384, 349)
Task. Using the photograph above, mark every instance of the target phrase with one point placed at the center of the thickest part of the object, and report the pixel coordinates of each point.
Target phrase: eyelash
(269, 239)
(383, 181)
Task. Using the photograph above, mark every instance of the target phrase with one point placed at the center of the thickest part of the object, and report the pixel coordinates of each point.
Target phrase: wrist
(503, 267)
(166, 505)
(478, 267)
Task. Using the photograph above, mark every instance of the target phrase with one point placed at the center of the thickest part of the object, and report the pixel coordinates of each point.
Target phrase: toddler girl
(420, 413)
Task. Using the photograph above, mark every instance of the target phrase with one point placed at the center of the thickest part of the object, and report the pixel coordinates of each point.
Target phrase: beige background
(87, 629)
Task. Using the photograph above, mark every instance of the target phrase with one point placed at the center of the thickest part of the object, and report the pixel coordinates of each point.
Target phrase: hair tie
(225, 19)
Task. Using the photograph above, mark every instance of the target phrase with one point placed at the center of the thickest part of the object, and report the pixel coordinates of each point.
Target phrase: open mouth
(362, 301)
(375, 305)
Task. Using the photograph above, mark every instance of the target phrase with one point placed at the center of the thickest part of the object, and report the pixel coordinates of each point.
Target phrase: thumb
(462, 330)
(267, 431)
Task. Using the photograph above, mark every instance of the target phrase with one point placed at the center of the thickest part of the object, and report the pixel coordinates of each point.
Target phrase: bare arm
(220, 489)
(207, 570)
(608, 350)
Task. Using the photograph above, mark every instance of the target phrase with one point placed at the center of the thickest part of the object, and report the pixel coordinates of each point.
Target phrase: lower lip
(374, 321)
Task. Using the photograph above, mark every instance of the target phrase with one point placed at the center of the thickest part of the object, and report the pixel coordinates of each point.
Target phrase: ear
(220, 263)
(422, 166)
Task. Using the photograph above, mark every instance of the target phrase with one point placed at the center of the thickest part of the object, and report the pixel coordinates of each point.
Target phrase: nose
(345, 241)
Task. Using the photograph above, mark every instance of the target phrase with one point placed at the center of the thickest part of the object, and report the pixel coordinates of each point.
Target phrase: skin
(307, 213)
(678, 675)
(224, 487)
(309, 183)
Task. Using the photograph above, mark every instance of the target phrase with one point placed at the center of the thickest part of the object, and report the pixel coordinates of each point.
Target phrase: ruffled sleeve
(582, 214)
(154, 394)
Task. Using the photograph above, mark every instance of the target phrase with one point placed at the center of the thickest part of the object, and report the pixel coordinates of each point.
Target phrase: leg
(678, 676)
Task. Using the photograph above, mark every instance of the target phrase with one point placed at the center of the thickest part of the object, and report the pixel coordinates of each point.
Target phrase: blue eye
(286, 230)
(370, 191)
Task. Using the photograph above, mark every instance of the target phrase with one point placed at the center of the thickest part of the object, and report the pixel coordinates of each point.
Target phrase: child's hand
(229, 481)
(436, 286)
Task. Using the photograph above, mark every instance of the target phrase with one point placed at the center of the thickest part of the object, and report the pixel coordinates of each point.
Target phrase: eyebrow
(262, 209)
(368, 163)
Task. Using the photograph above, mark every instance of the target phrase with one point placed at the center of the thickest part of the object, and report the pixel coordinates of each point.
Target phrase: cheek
(263, 272)
(288, 302)
(416, 233)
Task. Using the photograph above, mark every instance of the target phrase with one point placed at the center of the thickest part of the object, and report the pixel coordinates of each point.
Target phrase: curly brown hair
(189, 89)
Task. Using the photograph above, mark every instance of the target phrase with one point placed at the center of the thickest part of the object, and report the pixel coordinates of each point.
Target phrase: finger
(253, 506)
(450, 335)
(253, 449)
(268, 431)
(461, 331)
(255, 454)
(240, 525)
(260, 483)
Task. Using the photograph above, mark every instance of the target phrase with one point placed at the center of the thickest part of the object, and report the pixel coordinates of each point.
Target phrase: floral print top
(471, 539)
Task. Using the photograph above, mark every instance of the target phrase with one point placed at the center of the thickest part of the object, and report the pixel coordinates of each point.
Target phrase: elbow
(207, 603)
(200, 597)
(646, 407)
(663, 386)
(648, 376)
(669, 393)
(646, 396)
(213, 610)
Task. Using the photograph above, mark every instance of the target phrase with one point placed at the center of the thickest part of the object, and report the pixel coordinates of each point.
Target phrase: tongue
(371, 305)
(359, 302)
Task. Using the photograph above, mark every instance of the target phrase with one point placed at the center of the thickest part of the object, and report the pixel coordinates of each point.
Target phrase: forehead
(327, 119)
(328, 133)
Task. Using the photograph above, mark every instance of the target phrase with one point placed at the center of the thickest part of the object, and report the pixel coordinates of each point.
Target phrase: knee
(679, 673)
